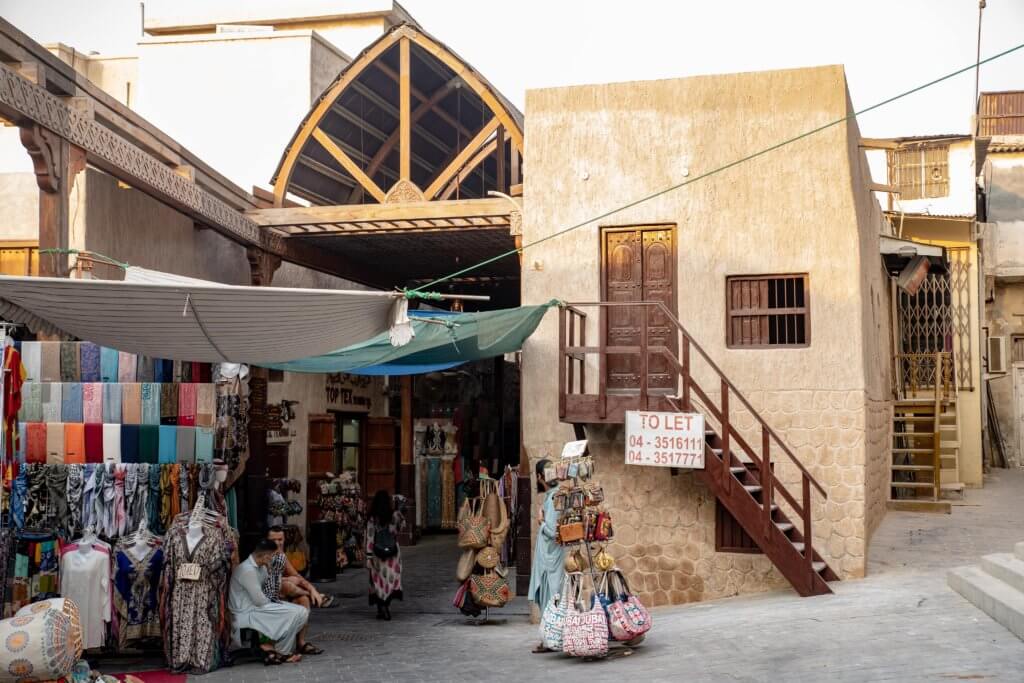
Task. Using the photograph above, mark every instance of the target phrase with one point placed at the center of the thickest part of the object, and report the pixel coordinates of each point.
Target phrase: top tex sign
(665, 439)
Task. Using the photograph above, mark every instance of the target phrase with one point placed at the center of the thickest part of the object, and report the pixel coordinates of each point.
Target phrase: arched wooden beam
(346, 162)
(478, 158)
(461, 70)
(461, 158)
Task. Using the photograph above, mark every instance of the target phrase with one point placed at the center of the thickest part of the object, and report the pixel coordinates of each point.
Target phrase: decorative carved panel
(403, 191)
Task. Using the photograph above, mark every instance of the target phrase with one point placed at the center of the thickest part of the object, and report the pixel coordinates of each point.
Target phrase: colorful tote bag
(552, 620)
(585, 633)
(627, 617)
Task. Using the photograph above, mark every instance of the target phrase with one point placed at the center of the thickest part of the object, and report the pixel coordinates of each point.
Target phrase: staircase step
(913, 450)
(799, 545)
(949, 445)
(912, 485)
(818, 566)
(913, 468)
(738, 470)
(752, 488)
(994, 597)
(914, 418)
(1006, 567)
(786, 526)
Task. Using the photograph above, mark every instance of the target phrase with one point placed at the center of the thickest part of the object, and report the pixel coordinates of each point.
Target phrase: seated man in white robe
(281, 622)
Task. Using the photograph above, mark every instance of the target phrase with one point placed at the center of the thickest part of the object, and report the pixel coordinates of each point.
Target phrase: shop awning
(169, 316)
(442, 341)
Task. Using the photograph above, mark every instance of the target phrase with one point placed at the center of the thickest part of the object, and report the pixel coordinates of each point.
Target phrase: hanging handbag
(627, 617)
(384, 544)
(603, 560)
(474, 528)
(561, 470)
(570, 532)
(489, 589)
(552, 620)
(603, 527)
(487, 558)
(464, 569)
(594, 494)
(585, 633)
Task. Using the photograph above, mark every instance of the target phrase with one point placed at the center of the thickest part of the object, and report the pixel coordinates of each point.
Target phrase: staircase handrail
(722, 376)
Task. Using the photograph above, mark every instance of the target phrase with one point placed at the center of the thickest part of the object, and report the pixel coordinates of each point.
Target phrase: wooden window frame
(805, 310)
(1014, 338)
(902, 172)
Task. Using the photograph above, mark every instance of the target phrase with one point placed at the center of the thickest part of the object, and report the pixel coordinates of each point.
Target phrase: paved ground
(900, 624)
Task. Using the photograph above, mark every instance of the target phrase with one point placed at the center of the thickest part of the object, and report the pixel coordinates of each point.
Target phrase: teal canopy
(442, 341)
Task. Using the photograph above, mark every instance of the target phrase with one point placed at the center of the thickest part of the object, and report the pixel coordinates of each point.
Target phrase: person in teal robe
(548, 571)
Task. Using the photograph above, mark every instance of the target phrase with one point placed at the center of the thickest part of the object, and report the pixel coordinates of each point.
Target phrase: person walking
(548, 571)
(383, 556)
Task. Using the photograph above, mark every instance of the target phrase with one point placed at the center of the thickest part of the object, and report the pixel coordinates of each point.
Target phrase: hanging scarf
(75, 486)
(272, 584)
(153, 500)
(169, 400)
(99, 498)
(36, 509)
(167, 495)
(57, 493)
(19, 493)
(69, 363)
(120, 514)
(104, 502)
(183, 487)
(90, 361)
(88, 494)
(144, 371)
(108, 364)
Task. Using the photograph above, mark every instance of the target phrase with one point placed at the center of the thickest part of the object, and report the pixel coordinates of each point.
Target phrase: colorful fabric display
(71, 402)
(32, 359)
(169, 404)
(92, 402)
(144, 371)
(186, 448)
(74, 443)
(206, 405)
(108, 364)
(205, 373)
(54, 443)
(186, 371)
(126, 363)
(204, 444)
(112, 403)
(49, 363)
(89, 354)
(149, 443)
(163, 370)
(21, 446)
(197, 372)
(112, 443)
(94, 443)
(35, 446)
(131, 404)
(130, 443)
(176, 370)
(52, 401)
(70, 368)
(150, 403)
(187, 401)
(31, 402)
(167, 453)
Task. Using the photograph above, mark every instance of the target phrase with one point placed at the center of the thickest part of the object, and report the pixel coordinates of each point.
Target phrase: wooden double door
(639, 264)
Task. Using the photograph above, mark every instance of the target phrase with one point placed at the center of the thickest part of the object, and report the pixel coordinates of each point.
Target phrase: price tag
(189, 572)
(574, 449)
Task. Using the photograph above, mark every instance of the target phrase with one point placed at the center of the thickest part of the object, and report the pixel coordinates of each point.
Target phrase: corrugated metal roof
(919, 214)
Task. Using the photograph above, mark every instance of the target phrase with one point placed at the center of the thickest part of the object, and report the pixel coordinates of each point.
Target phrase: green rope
(715, 171)
(417, 294)
(102, 257)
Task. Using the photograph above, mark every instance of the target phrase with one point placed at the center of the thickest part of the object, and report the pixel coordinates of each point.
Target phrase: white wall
(959, 202)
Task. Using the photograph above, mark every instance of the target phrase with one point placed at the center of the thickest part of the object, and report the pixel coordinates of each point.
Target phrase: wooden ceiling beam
(461, 158)
(466, 170)
(356, 213)
(441, 113)
(404, 111)
(346, 162)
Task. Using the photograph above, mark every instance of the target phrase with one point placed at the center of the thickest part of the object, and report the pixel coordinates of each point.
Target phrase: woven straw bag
(474, 527)
(489, 589)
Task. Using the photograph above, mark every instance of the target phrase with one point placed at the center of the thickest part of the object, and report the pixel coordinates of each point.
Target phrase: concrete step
(913, 468)
(1006, 567)
(912, 485)
(993, 597)
(1018, 550)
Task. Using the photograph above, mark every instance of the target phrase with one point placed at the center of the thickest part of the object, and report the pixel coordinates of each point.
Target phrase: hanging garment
(186, 372)
(22, 442)
(108, 365)
(51, 398)
(92, 402)
(90, 361)
(93, 443)
(120, 511)
(163, 370)
(150, 403)
(37, 512)
(131, 491)
(206, 405)
(183, 487)
(136, 594)
(130, 443)
(70, 370)
(112, 443)
(19, 493)
(434, 492)
(55, 443)
(149, 444)
(186, 444)
(193, 613)
(250, 608)
(88, 495)
(170, 501)
(112, 403)
(103, 502)
(71, 402)
(187, 402)
(169, 404)
(167, 450)
(126, 366)
(144, 371)
(74, 443)
(75, 490)
(197, 372)
(131, 404)
(31, 402)
(153, 499)
(176, 370)
(32, 359)
(35, 448)
(49, 361)
(58, 514)
(204, 444)
(85, 580)
(11, 382)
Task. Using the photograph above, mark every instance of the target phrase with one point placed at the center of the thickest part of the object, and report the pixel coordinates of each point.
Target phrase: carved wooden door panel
(638, 265)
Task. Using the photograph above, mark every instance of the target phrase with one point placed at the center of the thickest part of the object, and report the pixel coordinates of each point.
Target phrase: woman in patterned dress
(385, 573)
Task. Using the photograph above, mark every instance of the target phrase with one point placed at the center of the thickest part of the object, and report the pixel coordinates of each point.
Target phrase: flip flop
(329, 602)
(310, 649)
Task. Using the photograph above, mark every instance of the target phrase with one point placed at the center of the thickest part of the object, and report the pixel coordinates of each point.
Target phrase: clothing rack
(5, 328)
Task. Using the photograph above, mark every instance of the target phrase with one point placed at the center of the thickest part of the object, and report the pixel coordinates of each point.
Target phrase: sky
(887, 46)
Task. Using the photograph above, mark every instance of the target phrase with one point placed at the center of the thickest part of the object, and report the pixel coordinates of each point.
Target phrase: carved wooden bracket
(44, 148)
(262, 266)
(403, 191)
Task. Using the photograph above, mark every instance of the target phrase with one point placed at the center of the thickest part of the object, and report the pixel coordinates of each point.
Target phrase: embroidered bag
(627, 617)
(553, 619)
(603, 527)
(489, 589)
(586, 630)
(474, 528)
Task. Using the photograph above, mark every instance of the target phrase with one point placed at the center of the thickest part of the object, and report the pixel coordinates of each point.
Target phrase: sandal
(540, 649)
(272, 658)
(309, 649)
(329, 601)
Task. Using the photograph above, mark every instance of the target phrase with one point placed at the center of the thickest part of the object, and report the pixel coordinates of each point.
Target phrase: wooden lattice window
(920, 171)
(1018, 348)
(767, 311)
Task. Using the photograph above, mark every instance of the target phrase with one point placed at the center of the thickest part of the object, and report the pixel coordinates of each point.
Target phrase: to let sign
(665, 439)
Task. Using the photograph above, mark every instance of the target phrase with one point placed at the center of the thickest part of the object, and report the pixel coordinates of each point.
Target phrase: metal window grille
(765, 311)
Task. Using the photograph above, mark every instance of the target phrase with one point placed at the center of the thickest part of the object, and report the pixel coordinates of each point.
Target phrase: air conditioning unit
(997, 355)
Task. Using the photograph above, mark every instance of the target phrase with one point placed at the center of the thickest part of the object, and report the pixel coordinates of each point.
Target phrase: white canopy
(169, 316)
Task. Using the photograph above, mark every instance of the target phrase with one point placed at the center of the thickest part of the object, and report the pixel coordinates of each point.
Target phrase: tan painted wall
(20, 196)
(591, 148)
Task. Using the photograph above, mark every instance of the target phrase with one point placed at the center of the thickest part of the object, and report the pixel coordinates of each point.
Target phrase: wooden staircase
(740, 477)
